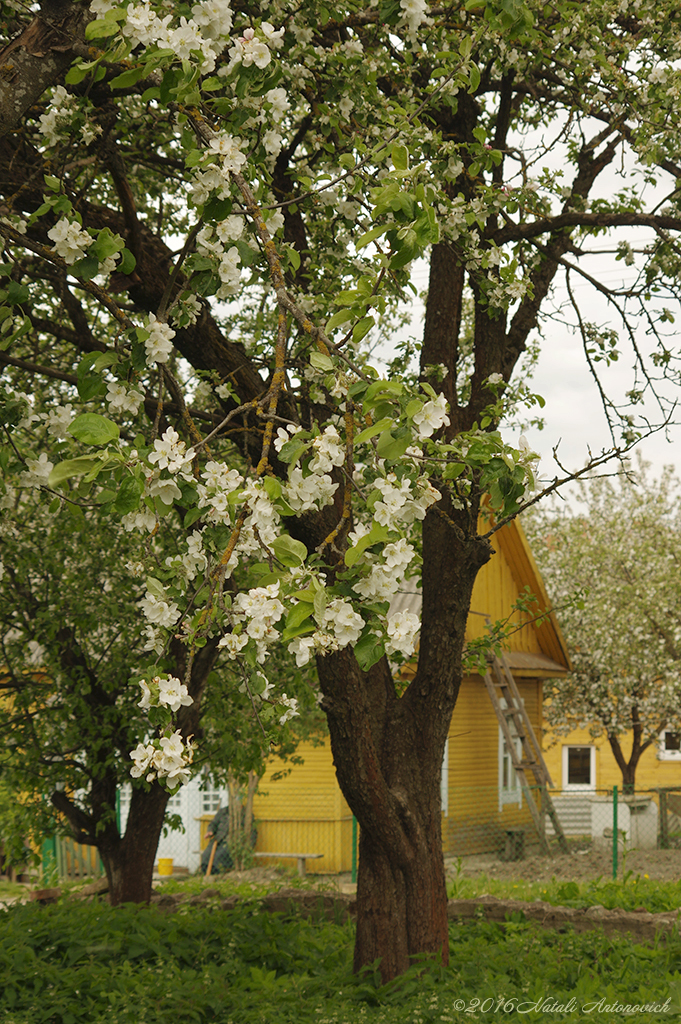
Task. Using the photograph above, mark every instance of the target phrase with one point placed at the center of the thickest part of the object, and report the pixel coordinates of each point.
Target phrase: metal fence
(500, 823)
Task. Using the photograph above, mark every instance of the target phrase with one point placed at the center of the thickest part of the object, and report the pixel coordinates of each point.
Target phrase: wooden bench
(300, 857)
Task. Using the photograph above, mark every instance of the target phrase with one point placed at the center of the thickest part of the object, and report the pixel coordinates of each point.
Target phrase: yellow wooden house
(580, 763)
(305, 812)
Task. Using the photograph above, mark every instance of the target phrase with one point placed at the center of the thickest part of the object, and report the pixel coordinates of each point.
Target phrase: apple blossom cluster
(193, 561)
(385, 577)
(213, 494)
(122, 399)
(58, 118)
(58, 420)
(167, 758)
(400, 504)
(402, 629)
(70, 241)
(228, 260)
(431, 417)
(205, 33)
(158, 611)
(164, 691)
(159, 343)
(340, 626)
(414, 14)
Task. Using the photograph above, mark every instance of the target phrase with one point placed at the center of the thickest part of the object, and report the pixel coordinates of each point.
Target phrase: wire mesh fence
(498, 823)
(476, 821)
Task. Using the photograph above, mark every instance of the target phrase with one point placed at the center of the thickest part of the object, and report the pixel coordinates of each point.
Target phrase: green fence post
(614, 832)
(354, 849)
(49, 853)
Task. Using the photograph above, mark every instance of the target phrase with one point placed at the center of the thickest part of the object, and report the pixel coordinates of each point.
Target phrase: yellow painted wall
(651, 772)
(494, 593)
(305, 812)
(474, 823)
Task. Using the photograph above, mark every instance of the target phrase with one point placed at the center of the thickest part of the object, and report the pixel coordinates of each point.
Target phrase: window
(509, 783)
(579, 767)
(212, 798)
(670, 746)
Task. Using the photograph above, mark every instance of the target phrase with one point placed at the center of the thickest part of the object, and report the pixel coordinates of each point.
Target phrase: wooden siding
(305, 812)
(651, 773)
(474, 823)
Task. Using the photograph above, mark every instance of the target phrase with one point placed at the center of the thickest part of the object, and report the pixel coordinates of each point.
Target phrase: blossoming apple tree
(210, 213)
(621, 552)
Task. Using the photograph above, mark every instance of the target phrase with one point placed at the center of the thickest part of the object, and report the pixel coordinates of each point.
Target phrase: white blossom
(159, 344)
(402, 628)
(121, 399)
(432, 416)
(162, 613)
(70, 241)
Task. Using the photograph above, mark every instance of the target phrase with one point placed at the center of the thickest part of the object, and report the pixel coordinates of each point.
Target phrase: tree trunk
(402, 904)
(129, 860)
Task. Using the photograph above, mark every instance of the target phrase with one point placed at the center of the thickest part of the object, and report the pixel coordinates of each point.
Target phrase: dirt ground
(580, 865)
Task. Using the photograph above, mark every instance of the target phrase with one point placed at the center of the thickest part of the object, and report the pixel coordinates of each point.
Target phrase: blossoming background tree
(621, 551)
(70, 705)
(208, 214)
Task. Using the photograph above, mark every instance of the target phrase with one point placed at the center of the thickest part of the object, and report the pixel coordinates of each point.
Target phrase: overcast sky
(574, 417)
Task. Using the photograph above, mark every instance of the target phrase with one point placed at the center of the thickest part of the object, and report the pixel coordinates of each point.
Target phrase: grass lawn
(88, 963)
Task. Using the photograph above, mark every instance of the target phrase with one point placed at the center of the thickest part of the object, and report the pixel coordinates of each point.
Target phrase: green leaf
(299, 614)
(473, 78)
(128, 497)
(72, 467)
(90, 428)
(156, 588)
(371, 234)
(392, 448)
(465, 46)
(77, 74)
(128, 78)
(16, 293)
(86, 268)
(377, 535)
(400, 157)
(293, 257)
(288, 551)
(101, 29)
(362, 328)
(375, 428)
(368, 650)
(192, 516)
(320, 603)
(341, 317)
(321, 361)
(127, 262)
(91, 386)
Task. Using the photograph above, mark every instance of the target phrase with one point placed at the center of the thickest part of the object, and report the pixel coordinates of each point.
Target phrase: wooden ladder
(501, 687)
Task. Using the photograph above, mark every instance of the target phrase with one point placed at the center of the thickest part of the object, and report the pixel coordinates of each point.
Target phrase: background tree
(240, 193)
(620, 550)
(69, 695)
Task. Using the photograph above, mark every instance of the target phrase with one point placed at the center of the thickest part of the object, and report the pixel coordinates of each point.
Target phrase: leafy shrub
(75, 963)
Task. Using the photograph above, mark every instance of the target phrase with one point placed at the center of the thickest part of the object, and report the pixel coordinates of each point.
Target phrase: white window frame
(576, 787)
(509, 794)
(667, 755)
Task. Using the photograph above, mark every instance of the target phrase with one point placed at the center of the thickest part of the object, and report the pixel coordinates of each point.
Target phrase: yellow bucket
(165, 865)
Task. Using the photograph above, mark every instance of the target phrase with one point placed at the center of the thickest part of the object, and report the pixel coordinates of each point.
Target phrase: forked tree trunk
(401, 906)
(129, 861)
(388, 753)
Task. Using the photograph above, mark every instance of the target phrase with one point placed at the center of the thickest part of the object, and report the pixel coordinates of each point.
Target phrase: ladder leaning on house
(508, 706)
